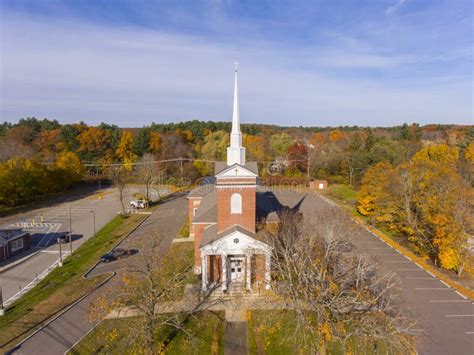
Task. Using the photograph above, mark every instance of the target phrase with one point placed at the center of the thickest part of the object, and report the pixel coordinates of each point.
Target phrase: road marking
(408, 270)
(449, 301)
(469, 332)
(429, 272)
(406, 257)
(445, 284)
(420, 278)
(421, 267)
(395, 261)
(33, 283)
(460, 294)
(378, 248)
(459, 315)
(432, 289)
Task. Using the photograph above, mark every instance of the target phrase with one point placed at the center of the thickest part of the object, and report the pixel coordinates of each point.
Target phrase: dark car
(63, 238)
(116, 254)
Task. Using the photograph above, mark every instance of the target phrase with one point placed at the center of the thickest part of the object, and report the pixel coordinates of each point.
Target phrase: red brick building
(222, 219)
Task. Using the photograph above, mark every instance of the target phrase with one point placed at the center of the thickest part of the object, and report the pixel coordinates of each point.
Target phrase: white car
(138, 204)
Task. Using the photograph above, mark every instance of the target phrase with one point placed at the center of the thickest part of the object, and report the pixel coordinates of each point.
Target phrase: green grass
(63, 285)
(343, 193)
(184, 231)
(113, 336)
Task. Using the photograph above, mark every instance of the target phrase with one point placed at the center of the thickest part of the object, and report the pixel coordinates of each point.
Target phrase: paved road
(45, 223)
(65, 331)
(235, 339)
(446, 318)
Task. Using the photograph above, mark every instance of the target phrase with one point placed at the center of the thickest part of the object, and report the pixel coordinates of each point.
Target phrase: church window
(236, 204)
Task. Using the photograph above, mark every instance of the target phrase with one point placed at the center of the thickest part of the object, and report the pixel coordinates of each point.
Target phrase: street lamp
(93, 215)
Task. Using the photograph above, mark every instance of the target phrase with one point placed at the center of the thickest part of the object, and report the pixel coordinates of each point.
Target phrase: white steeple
(236, 153)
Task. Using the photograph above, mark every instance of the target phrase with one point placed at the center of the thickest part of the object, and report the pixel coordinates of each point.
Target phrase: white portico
(237, 259)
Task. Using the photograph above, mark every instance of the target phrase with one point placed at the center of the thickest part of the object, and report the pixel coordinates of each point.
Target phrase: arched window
(236, 204)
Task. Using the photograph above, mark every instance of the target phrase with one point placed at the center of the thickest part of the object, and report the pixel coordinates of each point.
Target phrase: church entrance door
(237, 269)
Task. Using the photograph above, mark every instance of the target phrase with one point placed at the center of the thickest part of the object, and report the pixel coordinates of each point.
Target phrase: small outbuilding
(13, 241)
(318, 184)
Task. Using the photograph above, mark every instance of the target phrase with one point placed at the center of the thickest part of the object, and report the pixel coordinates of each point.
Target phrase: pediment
(236, 242)
(236, 171)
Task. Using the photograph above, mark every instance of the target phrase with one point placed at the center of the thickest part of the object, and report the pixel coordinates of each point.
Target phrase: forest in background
(414, 180)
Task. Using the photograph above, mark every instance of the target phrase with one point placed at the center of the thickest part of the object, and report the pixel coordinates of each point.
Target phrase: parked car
(63, 238)
(116, 254)
(138, 204)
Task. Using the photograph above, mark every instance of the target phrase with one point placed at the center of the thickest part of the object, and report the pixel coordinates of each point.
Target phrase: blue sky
(310, 63)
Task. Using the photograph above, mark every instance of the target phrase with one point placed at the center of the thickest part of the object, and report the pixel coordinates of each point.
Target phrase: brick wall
(198, 230)
(246, 219)
(192, 204)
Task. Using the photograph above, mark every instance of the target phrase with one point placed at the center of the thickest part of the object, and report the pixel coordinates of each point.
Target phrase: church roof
(220, 166)
(206, 212)
(210, 234)
(202, 190)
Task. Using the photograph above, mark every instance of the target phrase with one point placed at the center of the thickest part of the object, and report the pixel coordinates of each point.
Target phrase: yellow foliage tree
(155, 142)
(125, 149)
(373, 191)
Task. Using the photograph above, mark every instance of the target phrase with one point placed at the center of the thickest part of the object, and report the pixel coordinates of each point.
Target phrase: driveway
(71, 326)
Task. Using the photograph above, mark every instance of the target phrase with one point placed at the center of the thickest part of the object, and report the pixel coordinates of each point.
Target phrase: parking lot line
(396, 261)
(432, 289)
(420, 278)
(445, 284)
(460, 294)
(459, 315)
(449, 301)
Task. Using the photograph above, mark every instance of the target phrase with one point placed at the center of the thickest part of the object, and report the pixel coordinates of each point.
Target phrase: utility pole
(2, 308)
(60, 252)
(307, 171)
(93, 216)
(70, 231)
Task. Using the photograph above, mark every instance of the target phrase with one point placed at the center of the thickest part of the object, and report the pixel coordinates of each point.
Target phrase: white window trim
(194, 211)
(17, 244)
(236, 203)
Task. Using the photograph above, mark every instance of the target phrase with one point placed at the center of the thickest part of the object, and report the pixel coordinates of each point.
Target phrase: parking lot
(87, 214)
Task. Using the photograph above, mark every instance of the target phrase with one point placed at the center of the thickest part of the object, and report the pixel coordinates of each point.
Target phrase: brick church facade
(222, 220)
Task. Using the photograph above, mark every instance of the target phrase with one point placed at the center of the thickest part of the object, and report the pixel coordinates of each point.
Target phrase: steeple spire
(236, 153)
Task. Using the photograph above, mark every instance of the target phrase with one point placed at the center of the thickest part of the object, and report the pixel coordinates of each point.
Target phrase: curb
(68, 307)
(59, 314)
(460, 289)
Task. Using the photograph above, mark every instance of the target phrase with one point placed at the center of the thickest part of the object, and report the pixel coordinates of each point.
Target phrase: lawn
(63, 285)
(343, 193)
(275, 332)
(113, 336)
(184, 231)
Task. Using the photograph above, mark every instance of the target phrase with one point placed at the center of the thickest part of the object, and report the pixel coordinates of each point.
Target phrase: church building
(222, 220)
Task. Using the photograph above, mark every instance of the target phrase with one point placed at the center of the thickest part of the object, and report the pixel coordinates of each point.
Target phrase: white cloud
(129, 76)
(394, 8)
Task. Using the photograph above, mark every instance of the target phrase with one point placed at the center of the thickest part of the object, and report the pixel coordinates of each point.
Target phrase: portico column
(204, 272)
(247, 272)
(267, 271)
(224, 272)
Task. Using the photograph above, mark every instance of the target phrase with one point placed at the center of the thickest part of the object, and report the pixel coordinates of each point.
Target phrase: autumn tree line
(416, 181)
